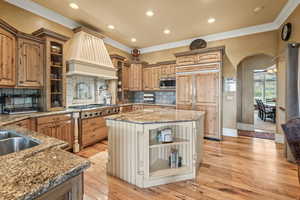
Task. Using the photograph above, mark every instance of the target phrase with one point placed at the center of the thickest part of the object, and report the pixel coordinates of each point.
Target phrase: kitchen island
(155, 146)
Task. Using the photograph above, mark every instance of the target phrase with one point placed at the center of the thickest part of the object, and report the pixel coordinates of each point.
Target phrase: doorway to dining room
(265, 95)
(256, 97)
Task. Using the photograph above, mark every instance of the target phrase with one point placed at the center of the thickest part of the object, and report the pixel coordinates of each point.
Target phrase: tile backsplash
(160, 97)
(83, 90)
(17, 100)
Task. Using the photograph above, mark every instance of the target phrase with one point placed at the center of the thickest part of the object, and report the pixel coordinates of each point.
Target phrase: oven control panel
(100, 112)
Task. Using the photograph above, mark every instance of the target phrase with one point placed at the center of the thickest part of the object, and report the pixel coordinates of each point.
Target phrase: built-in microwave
(167, 83)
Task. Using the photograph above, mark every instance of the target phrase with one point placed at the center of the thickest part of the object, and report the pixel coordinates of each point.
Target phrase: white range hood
(87, 56)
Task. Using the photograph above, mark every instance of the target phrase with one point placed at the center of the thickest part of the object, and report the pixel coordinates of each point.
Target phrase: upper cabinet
(156, 75)
(152, 74)
(201, 56)
(30, 63)
(121, 64)
(135, 76)
(21, 58)
(147, 78)
(7, 56)
(55, 69)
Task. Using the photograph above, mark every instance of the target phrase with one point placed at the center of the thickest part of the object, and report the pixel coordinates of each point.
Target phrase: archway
(245, 88)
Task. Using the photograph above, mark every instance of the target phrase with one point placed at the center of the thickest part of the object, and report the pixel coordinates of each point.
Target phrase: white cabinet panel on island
(155, 146)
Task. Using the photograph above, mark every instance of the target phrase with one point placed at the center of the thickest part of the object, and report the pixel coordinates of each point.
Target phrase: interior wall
(281, 65)
(28, 22)
(245, 91)
(236, 50)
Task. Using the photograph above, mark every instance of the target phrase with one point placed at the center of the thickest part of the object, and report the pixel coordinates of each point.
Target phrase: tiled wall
(18, 97)
(160, 97)
(83, 90)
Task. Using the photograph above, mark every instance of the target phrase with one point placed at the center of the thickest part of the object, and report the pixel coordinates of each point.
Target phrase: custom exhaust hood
(87, 55)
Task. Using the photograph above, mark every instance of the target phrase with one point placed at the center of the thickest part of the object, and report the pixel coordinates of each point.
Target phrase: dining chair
(260, 112)
(268, 112)
(292, 134)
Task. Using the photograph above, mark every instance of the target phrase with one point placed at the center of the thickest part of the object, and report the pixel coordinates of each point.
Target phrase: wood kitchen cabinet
(168, 69)
(151, 78)
(136, 76)
(126, 77)
(28, 124)
(156, 73)
(93, 130)
(30, 62)
(121, 64)
(199, 86)
(124, 109)
(137, 107)
(71, 189)
(57, 126)
(55, 69)
(184, 91)
(147, 78)
(7, 55)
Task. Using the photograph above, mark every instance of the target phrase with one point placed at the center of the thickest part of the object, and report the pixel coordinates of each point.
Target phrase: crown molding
(280, 19)
(213, 37)
(54, 16)
(117, 44)
(60, 19)
(287, 10)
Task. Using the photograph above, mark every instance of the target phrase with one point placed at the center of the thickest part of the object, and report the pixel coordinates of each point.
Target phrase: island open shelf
(140, 149)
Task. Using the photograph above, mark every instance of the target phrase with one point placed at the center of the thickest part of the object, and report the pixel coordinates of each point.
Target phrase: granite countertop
(149, 116)
(155, 104)
(8, 119)
(29, 173)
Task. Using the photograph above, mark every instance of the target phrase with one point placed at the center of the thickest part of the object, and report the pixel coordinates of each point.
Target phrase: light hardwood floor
(235, 169)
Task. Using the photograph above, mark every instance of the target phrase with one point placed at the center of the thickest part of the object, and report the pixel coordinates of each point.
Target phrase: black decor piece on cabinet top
(198, 44)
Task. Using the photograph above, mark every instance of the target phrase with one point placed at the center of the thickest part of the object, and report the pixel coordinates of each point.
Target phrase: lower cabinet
(72, 189)
(126, 108)
(93, 130)
(137, 107)
(27, 124)
(57, 126)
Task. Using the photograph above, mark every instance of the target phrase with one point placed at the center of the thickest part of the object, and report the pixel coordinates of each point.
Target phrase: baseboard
(230, 132)
(279, 138)
(245, 127)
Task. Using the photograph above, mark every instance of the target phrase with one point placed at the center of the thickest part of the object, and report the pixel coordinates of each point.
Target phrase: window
(265, 86)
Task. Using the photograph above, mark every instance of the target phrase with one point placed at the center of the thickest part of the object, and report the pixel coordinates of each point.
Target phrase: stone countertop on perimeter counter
(9, 119)
(6, 119)
(29, 173)
(156, 115)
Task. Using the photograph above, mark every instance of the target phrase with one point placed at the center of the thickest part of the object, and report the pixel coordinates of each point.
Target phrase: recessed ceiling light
(258, 9)
(149, 13)
(111, 27)
(133, 40)
(74, 6)
(211, 20)
(167, 31)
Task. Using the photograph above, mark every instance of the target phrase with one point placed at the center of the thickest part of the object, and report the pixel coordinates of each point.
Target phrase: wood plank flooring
(240, 168)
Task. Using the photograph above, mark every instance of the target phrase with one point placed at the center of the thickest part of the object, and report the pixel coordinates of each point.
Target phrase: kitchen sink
(7, 134)
(11, 142)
